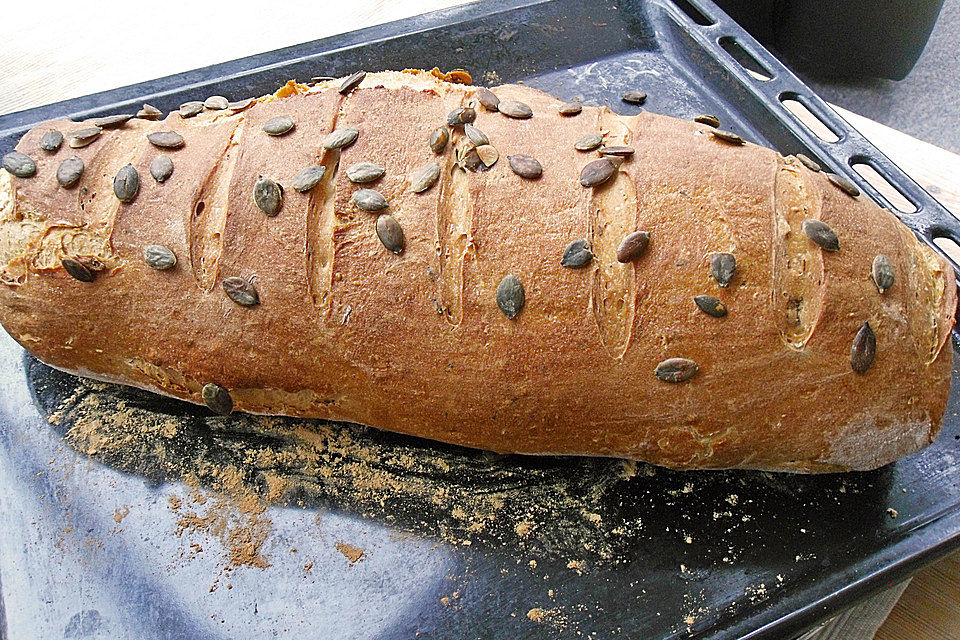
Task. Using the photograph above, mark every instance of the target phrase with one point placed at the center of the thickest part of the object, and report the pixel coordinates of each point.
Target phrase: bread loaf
(763, 317)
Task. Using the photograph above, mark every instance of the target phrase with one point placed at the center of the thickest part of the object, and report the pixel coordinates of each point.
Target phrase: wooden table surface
(48, 58)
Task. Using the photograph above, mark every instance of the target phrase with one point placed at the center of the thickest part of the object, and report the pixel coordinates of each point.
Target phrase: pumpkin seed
(126, 184)
(217, 399)
(190, 109)
(845, 185)
(634, 97)
(821, 233)
(632, 246)
(77, 269)
(369, 200)
(216, 103)
(487, 99)
(161, 167)
(425, 178)
(708, 119)
(474, 135)
(308, 178)
(319, 79)
(352, 82)
(525, 166)
(341, 137)
(470, 159)
(278, 125)
(390, 233)
(515, 109)
(727, 136)
(510, 296)
(597, 172)
(69, 172)
(722, 267)
(51, 140)
(577, 254)
(864, 349)
(241, 291)
(620, 152)
(808, 163)
(362, 172)
(83, 137)
(572, 108)
(438, 140)
(149, 112)
(676, 370)
(588, 142)
(461, 116)
(159, 257)
(240, 105)
(711, 305)
(882, 272)
(166, 139)
(19, 164)
(268, 196)
(111, 122)
(488, 155)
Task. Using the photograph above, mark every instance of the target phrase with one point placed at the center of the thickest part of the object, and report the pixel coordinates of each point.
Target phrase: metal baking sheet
(125, 515)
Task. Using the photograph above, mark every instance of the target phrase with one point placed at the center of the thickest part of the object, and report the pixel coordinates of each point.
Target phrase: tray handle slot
(950, 248)
(745, 59)
(891, 195)
(800, 109)
(944, 237)
(694, 12)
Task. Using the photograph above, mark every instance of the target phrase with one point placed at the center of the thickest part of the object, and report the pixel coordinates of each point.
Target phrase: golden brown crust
(415, 342)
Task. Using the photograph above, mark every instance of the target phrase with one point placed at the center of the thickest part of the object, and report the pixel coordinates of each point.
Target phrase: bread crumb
(628, 469)
(242, 534)
(351, 553)
(893, 513)
(120, 513)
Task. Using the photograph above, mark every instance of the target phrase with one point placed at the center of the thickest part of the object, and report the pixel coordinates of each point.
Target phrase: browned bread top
(416, 342)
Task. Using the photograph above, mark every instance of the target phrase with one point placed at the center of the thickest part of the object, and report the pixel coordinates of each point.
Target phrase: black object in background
(841, 39)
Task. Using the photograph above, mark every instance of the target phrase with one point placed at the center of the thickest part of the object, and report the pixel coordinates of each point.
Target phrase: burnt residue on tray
(592, 510)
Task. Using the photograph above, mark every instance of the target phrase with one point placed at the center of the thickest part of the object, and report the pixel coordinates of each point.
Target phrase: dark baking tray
(558, 547)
